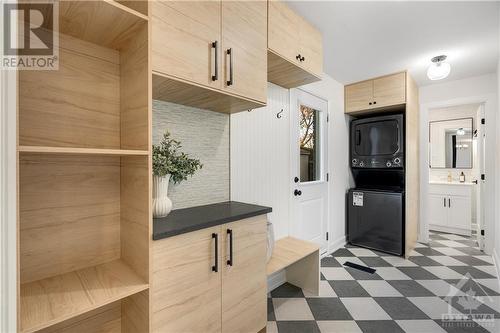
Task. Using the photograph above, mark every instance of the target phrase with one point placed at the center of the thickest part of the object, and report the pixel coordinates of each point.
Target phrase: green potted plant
(169, 164)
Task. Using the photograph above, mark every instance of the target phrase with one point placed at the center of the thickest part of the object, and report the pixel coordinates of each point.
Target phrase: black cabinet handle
(296, 180)
(302, 58)
(297, 192)
(230, 53)
(230, 233)
(374, 102)
(298, 57)
(215, 267)
(444, 202)
(216, 60)
(370, 103)
(449, 203)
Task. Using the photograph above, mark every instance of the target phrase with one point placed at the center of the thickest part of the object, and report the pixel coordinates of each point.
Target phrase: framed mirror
(451, 144)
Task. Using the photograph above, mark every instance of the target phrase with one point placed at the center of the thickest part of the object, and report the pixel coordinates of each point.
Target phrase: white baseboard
(450, 230)
(335, 245)
(276, 280)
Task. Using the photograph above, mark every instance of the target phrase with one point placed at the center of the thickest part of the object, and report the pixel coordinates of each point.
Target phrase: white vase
(162, 205)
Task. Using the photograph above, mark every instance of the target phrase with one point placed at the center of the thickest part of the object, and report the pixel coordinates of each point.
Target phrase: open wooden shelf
(53, 300)
(288, 251)
(82, 151)
(106, 22)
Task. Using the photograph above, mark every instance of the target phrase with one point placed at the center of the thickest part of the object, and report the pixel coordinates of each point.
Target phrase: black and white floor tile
(447, 285)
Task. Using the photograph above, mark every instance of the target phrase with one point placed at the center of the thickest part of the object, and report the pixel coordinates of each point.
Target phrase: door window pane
(310, 165)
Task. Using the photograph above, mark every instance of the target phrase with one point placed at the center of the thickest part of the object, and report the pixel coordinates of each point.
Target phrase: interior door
(479, 188)
(244, 25)
(183, 33)
(309, 167)
(244, 279)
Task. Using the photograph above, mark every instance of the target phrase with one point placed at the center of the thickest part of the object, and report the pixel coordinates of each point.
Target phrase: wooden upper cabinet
(295, 48)
(377, 93)
(283, 31)
(244, 278)
(390, 90)
(310, 47)
(191, 64)
(244, 25)
(183, 33)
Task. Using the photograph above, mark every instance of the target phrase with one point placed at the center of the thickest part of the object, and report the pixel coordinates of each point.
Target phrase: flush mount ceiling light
(460, 131)
(439, 69)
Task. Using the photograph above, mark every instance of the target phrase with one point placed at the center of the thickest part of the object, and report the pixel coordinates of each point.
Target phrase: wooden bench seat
(300, 260)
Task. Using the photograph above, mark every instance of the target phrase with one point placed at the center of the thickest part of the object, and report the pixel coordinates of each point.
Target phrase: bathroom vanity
(450, 207)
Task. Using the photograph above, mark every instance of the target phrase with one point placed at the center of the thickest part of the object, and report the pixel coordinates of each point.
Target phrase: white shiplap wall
(260, 157)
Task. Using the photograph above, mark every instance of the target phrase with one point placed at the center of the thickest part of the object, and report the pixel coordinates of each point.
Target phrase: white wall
(480, 89)
(260, 157)
(497, 202)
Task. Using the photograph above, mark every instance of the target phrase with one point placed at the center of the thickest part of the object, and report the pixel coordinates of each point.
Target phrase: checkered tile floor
(449, 276)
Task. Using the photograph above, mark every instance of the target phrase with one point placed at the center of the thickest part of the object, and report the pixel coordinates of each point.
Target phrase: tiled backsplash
(203, 135)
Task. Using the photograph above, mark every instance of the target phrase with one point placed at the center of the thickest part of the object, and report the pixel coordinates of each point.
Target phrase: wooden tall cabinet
(210, 54)
(389, 93)
(211, 280)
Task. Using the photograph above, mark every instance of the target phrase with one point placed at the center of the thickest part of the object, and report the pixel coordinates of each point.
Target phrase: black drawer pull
(230, 53)
(216, 60)
(230, 233)
(215, 267)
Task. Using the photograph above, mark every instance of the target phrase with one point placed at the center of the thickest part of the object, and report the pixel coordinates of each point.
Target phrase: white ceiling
(368, 39)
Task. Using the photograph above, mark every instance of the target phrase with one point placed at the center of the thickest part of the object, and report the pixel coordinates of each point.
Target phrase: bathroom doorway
(456, 172)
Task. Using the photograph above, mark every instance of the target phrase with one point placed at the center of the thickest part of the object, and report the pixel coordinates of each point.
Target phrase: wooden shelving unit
(84, 161)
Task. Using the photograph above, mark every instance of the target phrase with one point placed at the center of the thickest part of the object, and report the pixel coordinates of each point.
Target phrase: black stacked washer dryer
(375, 207)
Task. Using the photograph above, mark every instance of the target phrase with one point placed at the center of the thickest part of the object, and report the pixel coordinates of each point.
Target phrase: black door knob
(297, 192)
(296, 180)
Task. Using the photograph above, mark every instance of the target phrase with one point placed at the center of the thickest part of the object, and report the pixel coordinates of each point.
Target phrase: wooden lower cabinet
(186, 293)
(244, 278)
(188, 296)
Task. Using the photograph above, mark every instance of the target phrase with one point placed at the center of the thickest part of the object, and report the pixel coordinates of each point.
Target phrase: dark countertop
(185, 220)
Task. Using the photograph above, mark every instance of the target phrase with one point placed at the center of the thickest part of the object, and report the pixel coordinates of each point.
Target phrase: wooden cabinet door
(244, 282)
(310, 47)
(283, 31)
(182, 35)
(186, 293)
(389, 90)
(460, 214)
(438, 209)
(358, 96)
(244, 25)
